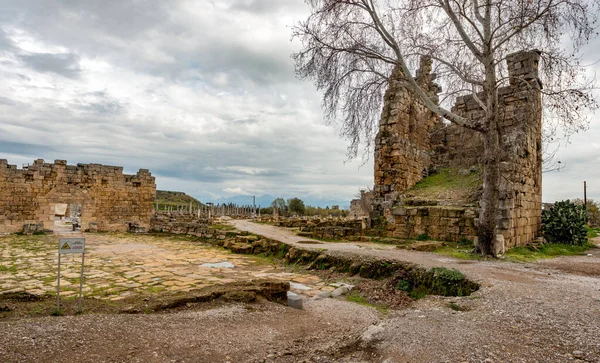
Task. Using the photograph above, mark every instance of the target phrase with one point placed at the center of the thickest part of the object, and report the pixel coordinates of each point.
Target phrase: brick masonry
(110, 200)
(412, 141)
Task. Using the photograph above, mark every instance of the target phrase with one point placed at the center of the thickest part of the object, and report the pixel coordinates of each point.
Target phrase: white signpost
(67, 246)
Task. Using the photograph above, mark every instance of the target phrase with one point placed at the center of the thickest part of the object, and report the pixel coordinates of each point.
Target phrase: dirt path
(545, 311)
(538, 312)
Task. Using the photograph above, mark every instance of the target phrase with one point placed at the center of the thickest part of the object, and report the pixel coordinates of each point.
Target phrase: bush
(565, 223)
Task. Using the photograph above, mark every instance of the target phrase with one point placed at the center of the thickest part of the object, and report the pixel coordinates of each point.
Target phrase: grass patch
(449, 179)
(57, 312)
(459, 251)
(9, 269)
(422, 237)
(550, 250)
(48, 280)
(593, 232)
(454, 306)
(516, 254)
(355, 297)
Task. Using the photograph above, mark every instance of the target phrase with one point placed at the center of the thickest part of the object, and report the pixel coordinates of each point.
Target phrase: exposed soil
(258, 332)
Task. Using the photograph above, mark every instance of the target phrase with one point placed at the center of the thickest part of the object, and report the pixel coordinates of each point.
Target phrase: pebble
(372, 333)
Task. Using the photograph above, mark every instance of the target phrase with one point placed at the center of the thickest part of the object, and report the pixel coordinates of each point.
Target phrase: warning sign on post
(71, 245)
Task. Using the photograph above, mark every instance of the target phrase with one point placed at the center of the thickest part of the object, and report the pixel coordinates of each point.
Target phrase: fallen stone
(322, 295)
(298, 286)
(340, 291)
(242, 248)
(294, 300)
(371, 334)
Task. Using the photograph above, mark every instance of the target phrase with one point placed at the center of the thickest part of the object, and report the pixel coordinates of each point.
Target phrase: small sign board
(71, 245)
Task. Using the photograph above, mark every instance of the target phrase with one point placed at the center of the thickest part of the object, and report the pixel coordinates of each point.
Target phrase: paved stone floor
(119, 265)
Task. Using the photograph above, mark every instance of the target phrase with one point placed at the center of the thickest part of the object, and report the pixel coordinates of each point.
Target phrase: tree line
(296, 207)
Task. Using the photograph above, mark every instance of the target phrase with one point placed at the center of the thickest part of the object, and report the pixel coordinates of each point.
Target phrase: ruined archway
(77, 203)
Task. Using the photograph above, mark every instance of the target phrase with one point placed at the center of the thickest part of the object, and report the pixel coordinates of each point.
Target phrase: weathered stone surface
(412, 141)
(180, 223)
(109, 199)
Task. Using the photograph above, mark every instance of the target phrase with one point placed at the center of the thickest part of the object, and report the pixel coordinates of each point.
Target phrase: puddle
(218, 265)
(297, 286)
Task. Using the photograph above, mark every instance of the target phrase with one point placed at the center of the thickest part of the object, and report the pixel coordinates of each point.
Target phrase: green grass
(593, 232)
(528, 254)
(355, 297)
(454, 306)
(10, 269)
(516, 254)
(449, 179)
(57, 312)
(459, 251)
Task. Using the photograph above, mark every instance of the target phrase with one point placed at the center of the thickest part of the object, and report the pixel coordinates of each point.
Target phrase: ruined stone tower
(402, 145)
(412, 140)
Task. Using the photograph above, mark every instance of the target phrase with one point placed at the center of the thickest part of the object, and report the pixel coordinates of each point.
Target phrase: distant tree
(296, 206)
(266, 211)
(593, 212)
(351, 47)
(280, 204)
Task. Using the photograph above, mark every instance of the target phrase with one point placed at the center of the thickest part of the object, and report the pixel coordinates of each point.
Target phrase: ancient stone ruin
(107, 199)
(413, 143)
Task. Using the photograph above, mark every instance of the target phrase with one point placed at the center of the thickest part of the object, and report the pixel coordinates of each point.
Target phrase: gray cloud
(202, 93)
(31, 150)
(64, 64)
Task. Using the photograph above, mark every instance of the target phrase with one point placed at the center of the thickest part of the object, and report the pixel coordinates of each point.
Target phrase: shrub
(422, 237)
(565, 223)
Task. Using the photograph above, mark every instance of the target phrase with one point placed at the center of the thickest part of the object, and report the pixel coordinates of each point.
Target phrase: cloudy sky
(202, 93)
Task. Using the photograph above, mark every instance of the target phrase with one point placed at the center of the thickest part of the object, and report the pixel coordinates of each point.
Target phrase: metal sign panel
(71, 245)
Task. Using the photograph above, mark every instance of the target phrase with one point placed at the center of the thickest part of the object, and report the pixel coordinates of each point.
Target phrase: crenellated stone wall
(451, 146)
(109, 199)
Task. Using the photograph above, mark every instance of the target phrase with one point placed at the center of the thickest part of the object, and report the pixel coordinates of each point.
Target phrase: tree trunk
(489, 200)
(491, 147)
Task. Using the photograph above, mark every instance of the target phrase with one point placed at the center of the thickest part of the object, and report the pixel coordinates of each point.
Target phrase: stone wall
(442, 223)
(109, 199)
(451, 146)
(180, 223)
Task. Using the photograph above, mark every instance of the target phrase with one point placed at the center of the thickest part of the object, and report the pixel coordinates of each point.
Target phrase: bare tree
(350, 48)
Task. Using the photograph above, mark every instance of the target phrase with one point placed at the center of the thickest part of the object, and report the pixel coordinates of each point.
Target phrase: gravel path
(537, 312)
(233, 333)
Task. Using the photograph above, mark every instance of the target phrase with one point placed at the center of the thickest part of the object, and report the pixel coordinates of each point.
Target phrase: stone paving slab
(119, 265)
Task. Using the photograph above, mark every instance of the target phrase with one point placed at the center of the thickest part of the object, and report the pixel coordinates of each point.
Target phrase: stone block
(294, 300)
